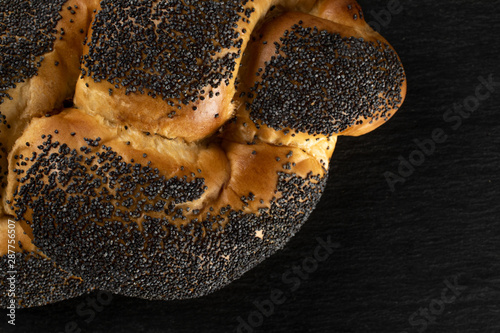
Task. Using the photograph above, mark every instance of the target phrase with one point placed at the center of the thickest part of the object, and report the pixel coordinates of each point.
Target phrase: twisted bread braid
(198, 143)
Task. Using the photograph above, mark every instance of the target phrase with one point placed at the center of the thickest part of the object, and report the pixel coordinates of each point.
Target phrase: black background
(399, 250)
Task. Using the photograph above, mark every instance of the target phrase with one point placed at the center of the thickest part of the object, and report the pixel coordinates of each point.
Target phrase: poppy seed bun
(198, 143)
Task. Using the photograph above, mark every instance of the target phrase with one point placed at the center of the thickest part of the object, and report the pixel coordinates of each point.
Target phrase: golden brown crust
(21, 238)
(152, 115)
(186, 160)
(229, 169)
(58, 72)
(55, 80)
(173, 158)
(260, 54)
(204, 117)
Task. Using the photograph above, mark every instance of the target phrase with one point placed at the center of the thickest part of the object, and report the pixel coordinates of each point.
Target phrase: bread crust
(185, 160)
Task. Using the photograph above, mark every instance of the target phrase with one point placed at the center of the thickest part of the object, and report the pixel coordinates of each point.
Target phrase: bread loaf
(160, 150)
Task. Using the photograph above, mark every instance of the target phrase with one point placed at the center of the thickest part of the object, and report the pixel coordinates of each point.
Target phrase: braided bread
(162, 149)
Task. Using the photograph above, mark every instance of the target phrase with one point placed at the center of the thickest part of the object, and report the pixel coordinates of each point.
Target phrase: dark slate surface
(422, 258)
